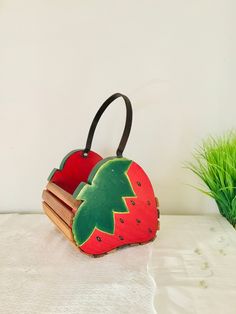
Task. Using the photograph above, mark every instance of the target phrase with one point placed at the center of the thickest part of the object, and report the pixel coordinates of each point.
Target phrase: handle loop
(128, 124)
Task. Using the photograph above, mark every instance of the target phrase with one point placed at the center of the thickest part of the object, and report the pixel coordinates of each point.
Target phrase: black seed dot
(133, 202)
(122, 220)
(98, 239)
(121, 238)
(149, 230)
(139, 183)
(138, 221)
(149, 203)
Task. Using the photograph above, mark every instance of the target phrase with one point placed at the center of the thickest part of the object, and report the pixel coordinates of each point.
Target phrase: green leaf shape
(104, 195)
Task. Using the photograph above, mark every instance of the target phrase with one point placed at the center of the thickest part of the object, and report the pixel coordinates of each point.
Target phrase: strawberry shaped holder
(102, 204)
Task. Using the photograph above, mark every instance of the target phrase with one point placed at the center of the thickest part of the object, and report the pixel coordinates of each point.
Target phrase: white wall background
(59, 60)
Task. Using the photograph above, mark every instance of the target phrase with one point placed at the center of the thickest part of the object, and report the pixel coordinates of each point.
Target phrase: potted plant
(215, 164)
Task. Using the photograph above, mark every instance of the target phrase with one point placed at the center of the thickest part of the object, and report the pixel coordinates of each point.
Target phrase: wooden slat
(58, 221)
(66, 197)
(59, 207)
(157, 202)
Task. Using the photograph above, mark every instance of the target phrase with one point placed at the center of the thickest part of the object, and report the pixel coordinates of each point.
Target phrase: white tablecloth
(189, 268)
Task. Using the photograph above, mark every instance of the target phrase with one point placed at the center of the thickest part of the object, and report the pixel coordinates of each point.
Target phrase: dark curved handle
(128, 124)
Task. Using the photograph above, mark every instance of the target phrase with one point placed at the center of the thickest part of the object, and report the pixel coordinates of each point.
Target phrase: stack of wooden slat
(60, 207)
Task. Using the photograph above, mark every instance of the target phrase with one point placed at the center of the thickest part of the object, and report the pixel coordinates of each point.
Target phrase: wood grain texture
(157, 202)
(64, 212)
(66, 197)
(58, 221)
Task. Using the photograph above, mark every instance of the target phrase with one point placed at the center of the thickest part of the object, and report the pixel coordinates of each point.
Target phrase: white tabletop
(189, 268)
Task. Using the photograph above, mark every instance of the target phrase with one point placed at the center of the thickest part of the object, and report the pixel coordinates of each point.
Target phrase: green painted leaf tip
(102, 196)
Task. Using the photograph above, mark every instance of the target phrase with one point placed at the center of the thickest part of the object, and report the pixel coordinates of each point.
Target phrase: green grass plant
(215, 164)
